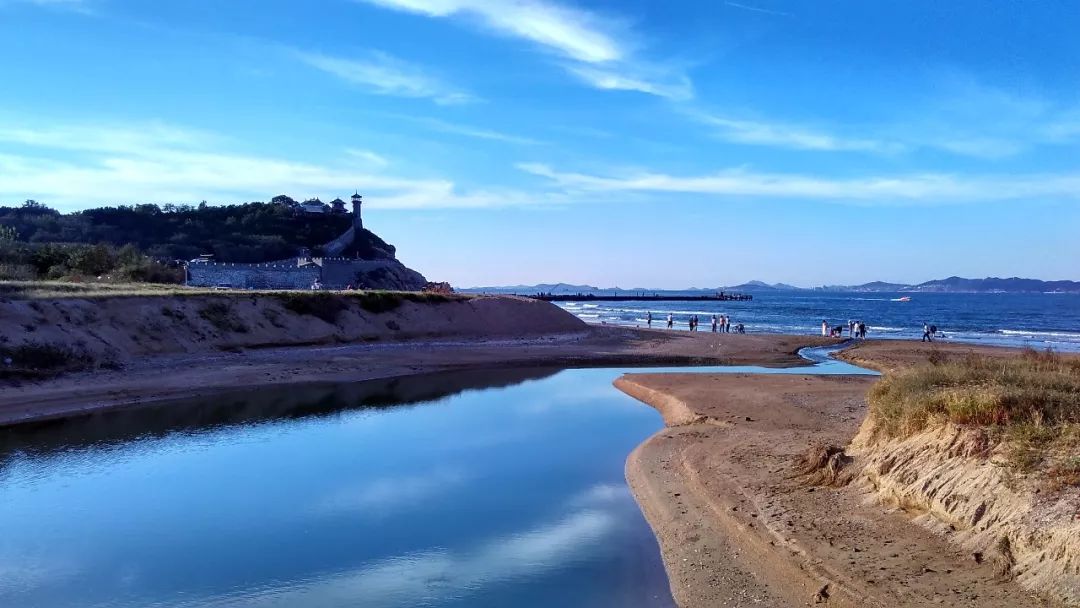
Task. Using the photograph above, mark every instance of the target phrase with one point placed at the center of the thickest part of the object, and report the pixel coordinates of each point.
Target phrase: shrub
(40, 359)
(322, 305)
(1030, 403)
(220, 314)
(1035, 388)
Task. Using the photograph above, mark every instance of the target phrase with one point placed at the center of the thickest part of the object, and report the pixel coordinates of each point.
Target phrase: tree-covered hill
(252, 232)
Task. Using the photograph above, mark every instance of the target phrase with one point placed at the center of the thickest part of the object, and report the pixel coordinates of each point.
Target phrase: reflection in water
(507, 491)
(253, 406)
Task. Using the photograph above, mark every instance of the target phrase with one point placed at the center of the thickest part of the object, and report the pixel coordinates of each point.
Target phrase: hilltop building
(358, 258)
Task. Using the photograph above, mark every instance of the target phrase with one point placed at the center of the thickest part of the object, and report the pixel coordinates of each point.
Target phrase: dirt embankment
(743, 517)
(119, 330)
(955, 482)
(141, 349)
(993, 472)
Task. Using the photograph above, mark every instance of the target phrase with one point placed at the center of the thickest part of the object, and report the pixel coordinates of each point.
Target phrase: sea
(1038, 321)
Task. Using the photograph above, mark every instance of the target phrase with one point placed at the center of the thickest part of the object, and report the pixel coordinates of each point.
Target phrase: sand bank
(168, 347)
(737, 524)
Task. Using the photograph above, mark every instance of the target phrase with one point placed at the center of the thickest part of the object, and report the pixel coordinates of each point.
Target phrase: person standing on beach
(851, 328)
(727, 324)
(715, 322)
(670, 321)
(648, 319)
(862, 330)
(926, 333)
(825, 328)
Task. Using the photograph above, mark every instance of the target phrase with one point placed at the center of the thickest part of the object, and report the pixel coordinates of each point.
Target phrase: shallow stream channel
(478, 488)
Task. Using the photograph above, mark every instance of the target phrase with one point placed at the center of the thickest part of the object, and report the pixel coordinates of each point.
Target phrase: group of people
(855, 329)
(720, 323)
(928, 332)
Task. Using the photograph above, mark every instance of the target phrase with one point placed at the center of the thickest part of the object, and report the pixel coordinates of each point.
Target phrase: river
(485, 488)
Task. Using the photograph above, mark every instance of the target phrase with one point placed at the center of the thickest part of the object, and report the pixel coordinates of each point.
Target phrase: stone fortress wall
(300, 273)
(304, 272)
(275, 275)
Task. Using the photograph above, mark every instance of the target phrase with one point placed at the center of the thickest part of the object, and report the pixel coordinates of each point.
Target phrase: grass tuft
(1030, 403)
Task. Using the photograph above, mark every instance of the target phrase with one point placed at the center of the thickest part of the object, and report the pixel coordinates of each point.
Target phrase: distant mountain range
(949, 285)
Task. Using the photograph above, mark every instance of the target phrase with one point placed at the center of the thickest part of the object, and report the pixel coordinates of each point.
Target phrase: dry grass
(371, 300)
(1029, 403)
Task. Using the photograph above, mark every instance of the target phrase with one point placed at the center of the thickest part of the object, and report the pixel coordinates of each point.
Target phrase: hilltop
(151, 243)
(248, 232)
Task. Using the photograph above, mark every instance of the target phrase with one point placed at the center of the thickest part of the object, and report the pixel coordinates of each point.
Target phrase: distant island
(948, 285)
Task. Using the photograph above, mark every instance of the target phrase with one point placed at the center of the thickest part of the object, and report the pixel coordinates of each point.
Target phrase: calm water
(472, 489)
(1037, 320)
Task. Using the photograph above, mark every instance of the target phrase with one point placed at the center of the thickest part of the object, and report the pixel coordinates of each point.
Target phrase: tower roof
(356, 195)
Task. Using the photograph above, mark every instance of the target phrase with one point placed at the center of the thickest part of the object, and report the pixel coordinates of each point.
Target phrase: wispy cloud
(472, 131)
(384, 74)
(924, 188)
(788, 136)
(676, 87)
(78, 6)
(72, 166)
(599, 51)
(758, 9)
(373, 159)
(575, 33)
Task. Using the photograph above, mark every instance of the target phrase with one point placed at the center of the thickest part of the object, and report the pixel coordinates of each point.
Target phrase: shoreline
(183, 376)
(738, 523)
(730, 537)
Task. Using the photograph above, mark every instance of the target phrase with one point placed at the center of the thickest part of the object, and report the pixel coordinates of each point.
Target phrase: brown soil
(735, 500)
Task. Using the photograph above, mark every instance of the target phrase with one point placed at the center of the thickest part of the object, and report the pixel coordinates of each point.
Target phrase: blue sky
(634, 143)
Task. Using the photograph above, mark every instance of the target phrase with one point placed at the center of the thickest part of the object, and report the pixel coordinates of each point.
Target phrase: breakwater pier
(638, 297)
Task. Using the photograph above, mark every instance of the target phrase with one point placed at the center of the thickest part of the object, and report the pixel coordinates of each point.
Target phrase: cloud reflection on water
(437, 575)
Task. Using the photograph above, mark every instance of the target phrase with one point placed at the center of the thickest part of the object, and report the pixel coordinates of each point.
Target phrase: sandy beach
(737, 523)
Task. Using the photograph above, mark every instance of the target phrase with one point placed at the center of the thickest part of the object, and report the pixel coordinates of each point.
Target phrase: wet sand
(738, 526)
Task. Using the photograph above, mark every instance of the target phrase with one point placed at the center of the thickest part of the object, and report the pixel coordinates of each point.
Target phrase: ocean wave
(1040, 334)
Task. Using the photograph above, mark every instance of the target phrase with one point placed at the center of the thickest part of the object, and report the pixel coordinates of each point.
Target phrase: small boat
(903, 299)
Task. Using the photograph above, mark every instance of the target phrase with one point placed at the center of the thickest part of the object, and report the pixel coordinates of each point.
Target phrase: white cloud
(574, 33)
(77, 165)
(758, 9)
(676, 87)
(600, 50)
(787, 136)
(78, 6)
(925, 188)
(383, 74)
(373, 159)
(471, 131)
